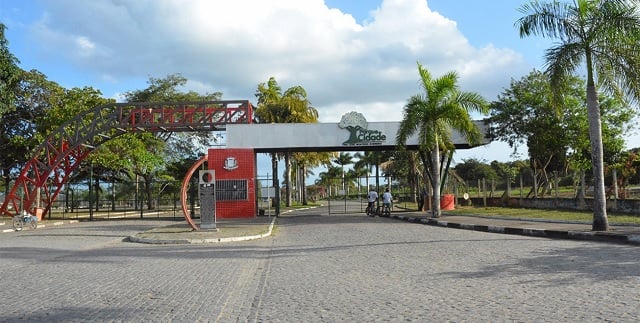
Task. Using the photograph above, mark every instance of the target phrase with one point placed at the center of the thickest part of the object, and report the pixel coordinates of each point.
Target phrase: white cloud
(84, 46)
(231, 46)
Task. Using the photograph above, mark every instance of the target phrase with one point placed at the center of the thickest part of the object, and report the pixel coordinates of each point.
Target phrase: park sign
(359, 132)
(349, 135)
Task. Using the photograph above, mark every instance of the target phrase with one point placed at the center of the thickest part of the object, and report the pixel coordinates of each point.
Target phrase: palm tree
(364, 163)
(306, 161)
(433, 115)
(602, 37)
(328, 178)
(292, 106)
(372, 160)
(404, 165)
(343, 159)
(360, 170)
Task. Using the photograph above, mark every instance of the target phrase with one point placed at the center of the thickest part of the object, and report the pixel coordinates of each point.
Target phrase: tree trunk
(96, 189)
(413, 177)
(276, 183)
(435, 208)
(303, 185)
(287, 170)
(113, 194)
(600, 221)
(147, 190)
(377, 178)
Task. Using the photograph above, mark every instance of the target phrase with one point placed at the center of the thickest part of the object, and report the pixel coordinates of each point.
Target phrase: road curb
(202, 240)
(40, 225)
(613, 237)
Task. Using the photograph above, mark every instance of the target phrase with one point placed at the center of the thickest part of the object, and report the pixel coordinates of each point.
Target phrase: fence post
(614, 174)
(455, 191)
(535, 183)
(521, 189)
(493, 187)
(555, 183)
(484, 190)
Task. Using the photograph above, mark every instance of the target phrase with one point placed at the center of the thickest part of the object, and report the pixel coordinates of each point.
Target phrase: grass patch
(522, 213)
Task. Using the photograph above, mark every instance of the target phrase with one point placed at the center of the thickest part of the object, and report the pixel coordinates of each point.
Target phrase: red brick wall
(245, 169)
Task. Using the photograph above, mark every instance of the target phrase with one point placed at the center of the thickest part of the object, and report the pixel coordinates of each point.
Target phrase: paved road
(315, 268)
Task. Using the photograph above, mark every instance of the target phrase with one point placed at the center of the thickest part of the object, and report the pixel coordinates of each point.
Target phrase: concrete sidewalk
(628, 234)
(226, 231)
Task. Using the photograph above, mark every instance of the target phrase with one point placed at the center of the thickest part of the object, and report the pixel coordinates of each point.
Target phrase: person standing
(372, 197)
(386, 199)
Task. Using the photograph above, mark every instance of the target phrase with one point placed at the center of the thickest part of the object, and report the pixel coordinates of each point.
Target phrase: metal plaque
(207, 199)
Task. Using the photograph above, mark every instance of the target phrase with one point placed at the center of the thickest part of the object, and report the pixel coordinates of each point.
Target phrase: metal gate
(347, 196)
(350, 196)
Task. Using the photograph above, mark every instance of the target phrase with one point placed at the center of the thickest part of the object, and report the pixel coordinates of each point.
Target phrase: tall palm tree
(292, 106)
(328, 178)
(602, 37)
(364, 163)
(360, 170)
(372, 160)
(306, 161)
(432, 115)
(342, 160)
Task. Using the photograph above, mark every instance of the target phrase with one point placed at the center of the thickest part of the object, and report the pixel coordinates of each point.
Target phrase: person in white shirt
(371, 198)
(387, 198)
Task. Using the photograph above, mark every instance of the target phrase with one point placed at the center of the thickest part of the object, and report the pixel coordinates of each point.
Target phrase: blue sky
(350, 55)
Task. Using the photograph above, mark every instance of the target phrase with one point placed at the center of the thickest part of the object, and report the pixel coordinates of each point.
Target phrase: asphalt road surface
(315, 268)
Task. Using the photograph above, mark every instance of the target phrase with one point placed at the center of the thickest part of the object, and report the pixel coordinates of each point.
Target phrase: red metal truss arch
(51, 164)
(183, 190)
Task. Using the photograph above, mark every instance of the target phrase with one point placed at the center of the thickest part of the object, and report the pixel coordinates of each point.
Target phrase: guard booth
(235, 182)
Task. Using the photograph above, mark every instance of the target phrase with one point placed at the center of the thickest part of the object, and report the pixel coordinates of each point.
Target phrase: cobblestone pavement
(315, 268)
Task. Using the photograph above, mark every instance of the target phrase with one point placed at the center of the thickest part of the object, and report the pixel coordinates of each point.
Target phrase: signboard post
(207, 200)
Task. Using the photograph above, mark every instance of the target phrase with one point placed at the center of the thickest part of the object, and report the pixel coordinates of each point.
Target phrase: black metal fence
(350, 195)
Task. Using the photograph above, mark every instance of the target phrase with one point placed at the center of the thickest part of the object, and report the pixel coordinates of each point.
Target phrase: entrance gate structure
(352, 133)
(44, 175)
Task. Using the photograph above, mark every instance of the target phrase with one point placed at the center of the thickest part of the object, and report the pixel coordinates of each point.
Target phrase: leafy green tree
(524, 114)
(557, 139)
(143, 155)
(432, 115)
(20, 130)
(472, 170)
(9, 74)
(65, 106)
(167, 89)
(602, 36)
(17, 114)
(616, 121)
